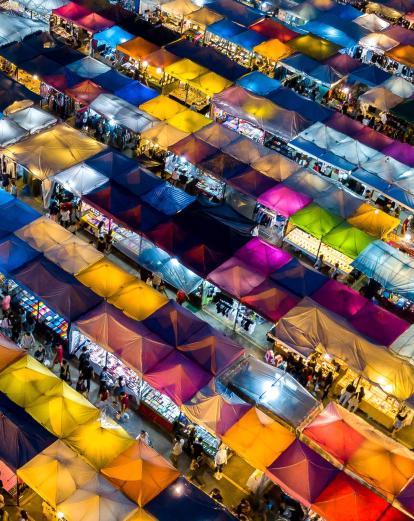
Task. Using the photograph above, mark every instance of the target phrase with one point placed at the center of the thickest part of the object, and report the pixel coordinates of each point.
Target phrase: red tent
(274, 30)
(340, 299)
(270, 301)
(171, 237)
(84, 92)
(71, 11)
(94, 23)
(202, 259)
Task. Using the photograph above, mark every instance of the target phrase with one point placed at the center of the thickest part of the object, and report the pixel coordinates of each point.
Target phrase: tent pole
(237, 314)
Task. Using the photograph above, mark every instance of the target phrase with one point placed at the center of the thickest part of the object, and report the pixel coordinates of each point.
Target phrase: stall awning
(380, 98)
(136, 93)
(113, 36)
(137, 48)
(348, 240)
(378, 42)
(88, 68)
(300, 63)
(112, 164)
(399, 86)
(139, 181)
(247, 40)
(284, 200)
(80, 179)
(14, 253)
(276, 166)
(236, 278)
(12, 92)
(298, 278)
(93, 23)
(105, 278)
(309, 109)
(16, 214)
(168, 199)
(372, 22)
(403, 54)
(339, 201)
(258, 83)
(373, 221)
(112, 81)
(274, 30)
(308, 183)
(189, 121)
(162, 107)
(161, 59)
(179, 8)
(204, 17)
(339, 298)
(10, 132)
(314, 46)
(138, 300)
(185, 70)
(236, 12)
(315, 220)
(368, 75)
(14, 28)
(71, 11)
(73, 255)
(85, 92)
(163, 135)
(225, 29)
(217, 136)
(33, 119)
(273, 50)
(43, 8)
(404, 111)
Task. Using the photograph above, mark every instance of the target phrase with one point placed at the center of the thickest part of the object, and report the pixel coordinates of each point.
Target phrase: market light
(35, 77)
(345, 90)
(327, 356)
(407, 236)
(376, 212)
(178, 490)
(145, 63)
(159, 70)
(175, 261)
(60, 515)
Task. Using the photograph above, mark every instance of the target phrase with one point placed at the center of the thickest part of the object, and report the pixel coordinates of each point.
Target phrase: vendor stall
(175, 12)
(33, 119)
(104, 43)
(197, 22)
(134, 53)
(269, 53)
(16, 28)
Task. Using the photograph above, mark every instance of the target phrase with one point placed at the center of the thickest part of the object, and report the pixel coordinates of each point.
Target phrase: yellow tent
(54, 150)
(314, 46)
(100, 441)
(56, 473)
(9, 352)
(163, 135)
(373, 221)
(138, 300)
(179, 8)
(105, 278)
(141, 473)
(97, 500)
(273, 50)
(189, 121)
(162, 107)
(73, 255)
(210, 83)
(140, 515)
(204, 17)
(138, 48)
(61, 409)
(185, 70)
(276, 166)
(26, 380)
(258, 439)
(43, 234)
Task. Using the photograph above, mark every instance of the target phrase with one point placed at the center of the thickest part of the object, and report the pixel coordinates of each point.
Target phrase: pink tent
(71, 11)
(262, 257)
(235, 278)
(340, 299)
(378, 324)
(284, 201)
(270, 301)
(178, 377)
(94, 23)
(302, 472)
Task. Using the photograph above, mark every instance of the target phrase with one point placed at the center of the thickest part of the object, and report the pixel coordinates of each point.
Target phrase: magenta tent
(236, 278)
(94, 23)
(262, 257)
(378, 324)
(178, 377)
(128, 339)
(284, 201)
(270, 301)
(302, 472)
(71, 11)
(402, 152)
(340, 299)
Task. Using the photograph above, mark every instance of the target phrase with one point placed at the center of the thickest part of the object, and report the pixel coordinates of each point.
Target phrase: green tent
(404, 111)
(315, 220)
(348, 240)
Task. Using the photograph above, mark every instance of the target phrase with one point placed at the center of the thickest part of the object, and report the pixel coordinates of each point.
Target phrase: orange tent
(138, 48)
(9, 352)
(402, 54)
(140, 473)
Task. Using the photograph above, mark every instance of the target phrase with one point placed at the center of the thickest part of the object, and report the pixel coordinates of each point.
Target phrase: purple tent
(298, 278)
(284, 201)
(178, 377)
(378, 324)
(60, 291)
(235, 277)
(340, 299)
(406, 497)
(270, 301)
(302, 472)
(128, 339)
(262, 257)
(402, 152)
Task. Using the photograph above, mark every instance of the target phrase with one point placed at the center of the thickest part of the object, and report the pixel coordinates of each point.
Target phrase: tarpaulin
(315, 220)
(339, 298)
(283, 200)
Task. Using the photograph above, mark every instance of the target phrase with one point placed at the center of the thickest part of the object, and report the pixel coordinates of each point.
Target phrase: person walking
(346, 394)
(220, 460)
(144, 437)
(58, 356)
(176, 450)
(87, 374)
(65, 372)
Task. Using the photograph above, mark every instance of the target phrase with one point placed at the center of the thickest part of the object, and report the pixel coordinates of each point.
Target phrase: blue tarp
(309, 148)
(325, 74)
(236, 12)
(247, 39)
(5, 197)
(15, 215)
(300, 63)
(400, 195)
(298, 279)
(141, 218)
(368, 75)
(112, 81)
(344, 12)
(11, 91)
(168, 199)
(112, 199)
(21, 437)
(139, 181)
(113, 36)
(88, 68)
(391, 268)
(112, 164)
(258, 83)
(225, 29)
(290, 100)
(365, 177)
(186, 502)
(330, 33)
(15, 253)
(136, 93)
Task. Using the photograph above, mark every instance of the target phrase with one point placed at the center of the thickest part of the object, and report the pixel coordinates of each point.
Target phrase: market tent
(189, 121)
(97, 500)
(315, 220)
(14, 28)
(138, 48)
(372, 22)
(185, 70)
(80, 179)
(301, 472)
(373, 221)
(204, 17)
(246, 150)
(343, 63)
(21, 438)
(225, 29)
(178, 377)
(162, 107)
(179, 8)
(73, 255)
(368, 75)
(247, 40)
(25, 380)
(140, 473)
(251, 182)
(217, 136)
(339, 298)
(380, 98)
(193, 149)
(405, 154)
(71, 11)
(325, 74)
(236, 12)
(99, 441)
(136, 93)
(163, 135)
(40, 66)
(33, 119)
(399, 86)
(16, 214)
(403, 54)
(84, 92)
(210, 83)
(347, 239)
(94, 23)
(273, 50)
(105, 278)
(10, 132)
(404, 345)
(128, 339)
(254, 425)
(112, 164)
(271, 29)
(215, 408)
(262, 256)
(283, 200)
(404, 111)
(314, 46)
(88, 67)
(121, 112)
(223, 166)
(258, 83)
(48, 153)
(406, 499)
(14, 254)
(168, 199)
(300, 63)
(137, 300)
(56, 473)
(340, 201)
(43, 233)
(236, 277)
(202, 259)
(160, 59)
(59, 290)
(140, 181)
(61, 409)
(42, 8)
(270, 301)
(112, 36)
(344, 499)
(61, 79)
(12, 92)
(9, 352)
(276, 166)
(378, 42)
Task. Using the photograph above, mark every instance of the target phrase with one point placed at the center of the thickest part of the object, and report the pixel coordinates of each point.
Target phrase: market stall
(73, 255)
(16, 28)
(104, 43)
(32, 119)
(160, 138)
(197, 22)
(10, 132)
(157, 62)
(134, 53)
(174, 13)
(269, 53)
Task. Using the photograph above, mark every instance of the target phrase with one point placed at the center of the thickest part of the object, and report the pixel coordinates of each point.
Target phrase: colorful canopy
(94, 23)
(348, 240)
(14, 254)
(138, 48)
(380, 98)
(16, 214)
(140, 473)
(283, 200)
(373, 221)
(33, 119)
(313, 46)
(298, 278)
(162, 107)
(80, 179)
(84, 92)
(10, 132)
(14, 28)
(112, 36)
(273, 50)
(73, 255)
(137, 300)
(163, 135)
(105, 278)
(204, 17)
(315, 220)
(88, 67)
(262, 256)
(179, 8)
(189, 121)
(276, 166)
(243, 438)
(43, 234)
(339, 298)
(235, 277)
(210, 83)
(272, 29)
(185, 70)
(402, 54)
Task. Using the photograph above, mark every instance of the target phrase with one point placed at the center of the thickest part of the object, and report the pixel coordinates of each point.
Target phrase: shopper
(176, 450)
(319, 263)
(144, 437)
(197, 468)
(81, 385)
(181, 297)
(197, 448)
(216, 495)
(120, 388)
(220, 460)
(23, 516)
(334, 272)
(5, 303)
(26, 341)
(327, 384)
(58, 356)
(400, 420)
(65, 217)
(65, 372)
(346, 394)
(87, 374)
(40, 354)
(124, 406)
(84, 357)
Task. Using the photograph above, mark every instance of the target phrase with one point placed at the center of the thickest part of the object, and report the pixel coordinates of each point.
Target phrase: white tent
(10, 132)
(381, 98)
(122, 113)
(378, 42)
(42, 8)
(372, 22)
(80, 179)
(399, 86)
(385, 167)
(353, 151)
(323, 136)
(14, 28)
(33, 119)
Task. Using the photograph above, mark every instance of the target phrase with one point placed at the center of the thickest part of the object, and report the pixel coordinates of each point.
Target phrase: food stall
(178, 76)
(268, 53)
(174, 14)
(104, 43)
(157, 61)
(197, 22)
(134, 53)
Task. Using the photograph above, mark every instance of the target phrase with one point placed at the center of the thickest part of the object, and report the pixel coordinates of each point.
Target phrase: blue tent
(112, 81)
(15, 215)
(141, 217)
(343, 12)
(290, 100)
(113, 36)
(11, 91)
(401, 196)
(111, 199)
(391, 268)
(225, 29)
(112, 163)
(184, 501)
(40, 66)
(21, 437)
(139, 181)
(374, 181)
(5, 197)
(298, 279)
(247, 39)
(136, 93)
(18, 52)
(236, 12)
(325, 74)
(168, 199)
(368, 75)
(88, 68)
(331, 33)
(300, 63)
(15, 253)
(258, 83)
(62, 54)
(309, 148)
